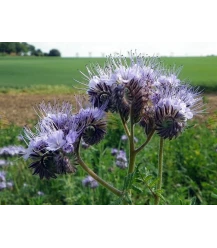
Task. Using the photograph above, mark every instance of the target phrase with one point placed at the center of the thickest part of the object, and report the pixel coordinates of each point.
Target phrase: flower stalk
(97, 178)
(149, 138)
(160, 170)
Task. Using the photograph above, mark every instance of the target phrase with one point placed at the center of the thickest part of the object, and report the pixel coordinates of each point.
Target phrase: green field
(33, 72)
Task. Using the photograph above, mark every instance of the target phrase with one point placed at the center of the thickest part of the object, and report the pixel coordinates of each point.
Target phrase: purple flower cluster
(12, 151)
(90, 182)
(57, 135)
(3, 183)
(3, 163)
(121, 158)
(145, 90)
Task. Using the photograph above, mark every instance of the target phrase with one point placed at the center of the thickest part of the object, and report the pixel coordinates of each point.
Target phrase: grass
(57, 74)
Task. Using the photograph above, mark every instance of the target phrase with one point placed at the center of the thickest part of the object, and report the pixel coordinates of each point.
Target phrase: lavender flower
(124, 138)
(84, 145)
(3, 185)
(123, 85)
(55, 140)
(90, 182)
(2, 176)
(59, 133)
(3, 163)
(10, 185)
(121, 160)
(114, 151)
(12, 150)
(59, 113)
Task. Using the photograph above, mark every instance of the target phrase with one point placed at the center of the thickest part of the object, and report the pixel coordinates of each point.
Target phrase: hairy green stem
(97, 178)
(160, 170)
(147, 141)
(132, 145)
(125, 127)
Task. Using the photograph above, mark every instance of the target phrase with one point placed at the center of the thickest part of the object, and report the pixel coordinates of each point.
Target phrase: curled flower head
(94, 126)
(174, 108)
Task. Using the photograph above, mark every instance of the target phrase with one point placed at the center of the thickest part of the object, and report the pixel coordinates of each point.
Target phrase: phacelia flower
(12, 151)
(94, 126)
(9, 185)
(2, 176)
(174, 108)
(90, 182)
(121, 160)
(3, 185)
(3, 163)
(124, 84)
(114, 151)
(58, 134)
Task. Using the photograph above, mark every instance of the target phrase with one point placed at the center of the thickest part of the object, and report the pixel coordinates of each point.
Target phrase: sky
(99, 49)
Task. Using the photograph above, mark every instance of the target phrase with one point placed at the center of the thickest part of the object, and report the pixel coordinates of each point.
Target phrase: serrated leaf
(137, 189)
(139, 180)
(147, 178)
(162, 198)
(153, 183)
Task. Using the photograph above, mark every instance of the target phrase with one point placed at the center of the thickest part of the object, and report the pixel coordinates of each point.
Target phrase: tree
(31, 49)
(7, 47)
(21, 47)
(38, 52)
(55, 52)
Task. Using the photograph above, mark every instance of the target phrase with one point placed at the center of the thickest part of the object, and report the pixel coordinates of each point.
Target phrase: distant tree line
(23, 48)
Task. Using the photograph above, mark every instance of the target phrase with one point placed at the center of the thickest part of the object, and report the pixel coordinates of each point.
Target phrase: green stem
(98, 179)
(125, 127)
(132, 146)
(160, 170)
(147, 141)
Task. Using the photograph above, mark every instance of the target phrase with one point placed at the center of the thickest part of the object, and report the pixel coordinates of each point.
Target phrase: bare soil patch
(18, 108)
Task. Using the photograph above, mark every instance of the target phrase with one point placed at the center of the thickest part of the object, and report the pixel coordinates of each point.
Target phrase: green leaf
(147, 178)
(153, 183)
(139, 180)
(137, 189)
(128, 181)
(214, 195)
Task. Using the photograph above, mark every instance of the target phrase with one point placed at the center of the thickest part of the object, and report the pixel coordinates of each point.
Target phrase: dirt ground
(18, 108)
